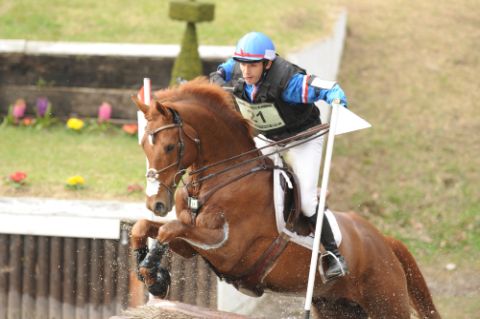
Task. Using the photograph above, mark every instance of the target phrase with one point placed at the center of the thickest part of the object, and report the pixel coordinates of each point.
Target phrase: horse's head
(170, 146)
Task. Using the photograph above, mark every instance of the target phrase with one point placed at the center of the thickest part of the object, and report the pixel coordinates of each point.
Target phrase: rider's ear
(141, 106)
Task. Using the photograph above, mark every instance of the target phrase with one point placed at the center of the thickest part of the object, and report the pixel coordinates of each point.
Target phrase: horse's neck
(229, 143)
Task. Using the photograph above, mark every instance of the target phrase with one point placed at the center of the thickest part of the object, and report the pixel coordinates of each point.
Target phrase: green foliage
(9, 119)
(188, 64)
(191, 11)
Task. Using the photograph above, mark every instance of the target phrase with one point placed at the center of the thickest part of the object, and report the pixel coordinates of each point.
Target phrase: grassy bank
(416, 171)
(109, 163)
(411, 69)
(289, 23)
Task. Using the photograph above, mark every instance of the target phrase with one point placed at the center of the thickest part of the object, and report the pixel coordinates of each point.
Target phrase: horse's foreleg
(142, 230)
(205, 238)
(148, 262)
(156, 277)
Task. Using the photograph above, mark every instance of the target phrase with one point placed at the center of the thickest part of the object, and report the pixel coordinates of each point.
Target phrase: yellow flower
(75, 180)
(75, 124)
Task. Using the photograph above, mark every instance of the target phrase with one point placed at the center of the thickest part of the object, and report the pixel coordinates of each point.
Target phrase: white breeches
(305, 160)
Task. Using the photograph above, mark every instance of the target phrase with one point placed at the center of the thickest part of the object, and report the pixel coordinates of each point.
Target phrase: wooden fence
(46, 277)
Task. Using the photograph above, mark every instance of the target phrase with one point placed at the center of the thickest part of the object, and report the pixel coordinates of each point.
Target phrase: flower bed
(45, 156)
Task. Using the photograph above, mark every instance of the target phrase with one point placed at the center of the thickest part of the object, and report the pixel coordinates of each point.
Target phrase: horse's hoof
(162, 283)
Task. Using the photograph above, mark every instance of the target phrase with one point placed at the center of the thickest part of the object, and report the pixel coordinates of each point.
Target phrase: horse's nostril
(159, 207)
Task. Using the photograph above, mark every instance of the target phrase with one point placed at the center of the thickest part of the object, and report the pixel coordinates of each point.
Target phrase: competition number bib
(264, 116)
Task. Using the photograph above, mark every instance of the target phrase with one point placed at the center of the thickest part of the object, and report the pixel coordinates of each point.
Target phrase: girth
(250, 282)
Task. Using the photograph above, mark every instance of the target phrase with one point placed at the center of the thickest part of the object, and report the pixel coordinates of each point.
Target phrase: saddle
(295, 221)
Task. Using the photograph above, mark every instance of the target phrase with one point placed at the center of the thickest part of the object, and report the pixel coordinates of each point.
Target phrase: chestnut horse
(195, 125)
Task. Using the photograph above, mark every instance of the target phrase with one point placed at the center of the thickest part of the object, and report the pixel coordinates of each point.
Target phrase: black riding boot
(336, 264)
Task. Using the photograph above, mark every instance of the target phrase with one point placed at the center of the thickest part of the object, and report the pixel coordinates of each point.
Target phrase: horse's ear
(161, 108)
(141, 106)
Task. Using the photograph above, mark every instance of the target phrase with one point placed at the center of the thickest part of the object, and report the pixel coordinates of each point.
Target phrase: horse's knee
(140, 228)
(140, 232)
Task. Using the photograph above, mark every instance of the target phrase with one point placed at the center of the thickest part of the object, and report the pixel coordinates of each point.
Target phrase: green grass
(410, 70)
(109, 162)
(290, 24)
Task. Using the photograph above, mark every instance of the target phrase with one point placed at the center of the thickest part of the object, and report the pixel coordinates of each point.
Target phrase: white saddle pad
(305, 241)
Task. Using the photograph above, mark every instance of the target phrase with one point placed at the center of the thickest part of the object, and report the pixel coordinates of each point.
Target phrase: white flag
(348, 121)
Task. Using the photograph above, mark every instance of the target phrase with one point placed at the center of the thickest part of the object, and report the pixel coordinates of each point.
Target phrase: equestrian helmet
(254, 47)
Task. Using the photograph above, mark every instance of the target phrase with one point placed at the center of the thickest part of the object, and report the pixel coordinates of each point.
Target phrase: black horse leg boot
(336, 264)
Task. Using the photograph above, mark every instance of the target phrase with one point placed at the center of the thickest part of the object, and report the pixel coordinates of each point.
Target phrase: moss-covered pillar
(188, 64)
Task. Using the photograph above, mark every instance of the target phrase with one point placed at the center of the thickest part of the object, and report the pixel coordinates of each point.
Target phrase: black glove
(218, 77)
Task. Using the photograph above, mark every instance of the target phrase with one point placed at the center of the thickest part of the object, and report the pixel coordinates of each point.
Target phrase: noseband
(154, 174)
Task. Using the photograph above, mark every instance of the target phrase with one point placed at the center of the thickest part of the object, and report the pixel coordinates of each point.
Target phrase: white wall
(323, 57)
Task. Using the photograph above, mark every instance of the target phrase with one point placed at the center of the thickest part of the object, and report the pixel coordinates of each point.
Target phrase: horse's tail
(416, 285)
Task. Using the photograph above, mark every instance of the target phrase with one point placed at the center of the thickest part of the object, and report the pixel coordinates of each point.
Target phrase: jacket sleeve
(300, 90)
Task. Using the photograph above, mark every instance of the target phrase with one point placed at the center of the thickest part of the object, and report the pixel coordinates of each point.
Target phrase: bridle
(194, 202)
(154, 174)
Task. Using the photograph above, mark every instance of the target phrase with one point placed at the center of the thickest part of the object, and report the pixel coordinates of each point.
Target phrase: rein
(306, 133)
(195, 203)
(251, 279)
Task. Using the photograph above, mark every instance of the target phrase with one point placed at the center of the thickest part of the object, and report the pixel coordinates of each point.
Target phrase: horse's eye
(169, 148)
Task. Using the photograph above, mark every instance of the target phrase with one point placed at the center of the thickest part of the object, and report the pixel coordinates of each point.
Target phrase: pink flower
(18, 177)
(19, 108)
(104, 112)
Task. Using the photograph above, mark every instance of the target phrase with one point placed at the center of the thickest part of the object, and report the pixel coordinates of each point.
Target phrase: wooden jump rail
(156, 309)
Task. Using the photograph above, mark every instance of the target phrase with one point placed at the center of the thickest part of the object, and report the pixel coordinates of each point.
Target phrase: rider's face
(252, 72)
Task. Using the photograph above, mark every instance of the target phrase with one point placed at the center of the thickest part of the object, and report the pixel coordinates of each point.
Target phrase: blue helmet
(254, 47)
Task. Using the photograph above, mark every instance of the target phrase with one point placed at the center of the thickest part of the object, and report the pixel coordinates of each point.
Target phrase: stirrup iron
(322, 272)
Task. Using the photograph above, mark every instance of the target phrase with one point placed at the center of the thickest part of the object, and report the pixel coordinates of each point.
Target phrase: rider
(279, 97)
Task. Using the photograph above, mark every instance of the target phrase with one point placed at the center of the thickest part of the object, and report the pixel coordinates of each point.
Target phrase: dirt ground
(456, 294)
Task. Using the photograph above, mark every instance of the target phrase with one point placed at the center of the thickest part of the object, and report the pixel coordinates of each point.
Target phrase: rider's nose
(159, 207)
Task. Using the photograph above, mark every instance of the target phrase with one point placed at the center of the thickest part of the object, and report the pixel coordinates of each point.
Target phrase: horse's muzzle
(159, 207)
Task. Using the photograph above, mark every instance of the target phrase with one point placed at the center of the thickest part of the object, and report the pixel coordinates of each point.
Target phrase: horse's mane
(217, 100)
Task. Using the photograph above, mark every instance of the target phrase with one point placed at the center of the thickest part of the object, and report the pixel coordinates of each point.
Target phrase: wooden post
(55, 297)
(123, 269)
(15, 278)
(69, 291)
(96, 281)
(29, 260)
(81, 298)
(42, 276)
(110, 270)
(4, 269)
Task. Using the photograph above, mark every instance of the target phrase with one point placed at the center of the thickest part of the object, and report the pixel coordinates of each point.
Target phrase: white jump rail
(109, 49)
(70, 218)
